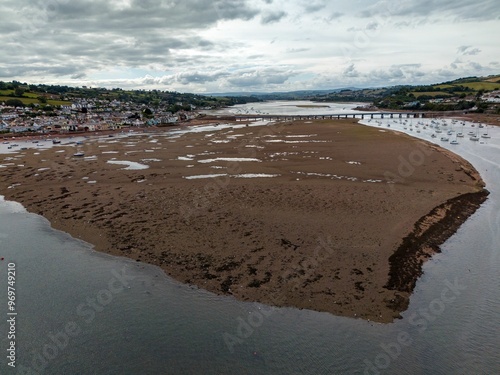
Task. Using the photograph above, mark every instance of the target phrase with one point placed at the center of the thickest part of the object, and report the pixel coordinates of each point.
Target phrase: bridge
(359, 115)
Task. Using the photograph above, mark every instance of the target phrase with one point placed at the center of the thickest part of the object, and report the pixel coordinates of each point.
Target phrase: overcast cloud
(247, 45)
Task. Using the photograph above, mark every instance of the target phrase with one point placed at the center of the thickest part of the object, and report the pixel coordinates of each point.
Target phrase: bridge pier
(364, 115)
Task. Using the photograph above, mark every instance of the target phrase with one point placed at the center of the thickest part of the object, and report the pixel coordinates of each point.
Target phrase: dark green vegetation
(462, 94)
(23, 94)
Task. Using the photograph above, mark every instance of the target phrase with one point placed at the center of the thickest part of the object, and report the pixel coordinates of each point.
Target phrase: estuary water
(82, 312)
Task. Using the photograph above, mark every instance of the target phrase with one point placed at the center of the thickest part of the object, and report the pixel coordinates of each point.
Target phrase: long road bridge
(360, 115)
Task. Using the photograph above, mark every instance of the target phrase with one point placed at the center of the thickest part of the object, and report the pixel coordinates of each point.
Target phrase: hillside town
(86, 116)
(46, 109)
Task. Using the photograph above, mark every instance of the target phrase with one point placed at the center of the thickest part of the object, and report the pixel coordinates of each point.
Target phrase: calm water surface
(81, 312)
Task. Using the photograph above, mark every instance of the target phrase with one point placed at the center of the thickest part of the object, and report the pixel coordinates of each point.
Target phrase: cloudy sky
(247, 45)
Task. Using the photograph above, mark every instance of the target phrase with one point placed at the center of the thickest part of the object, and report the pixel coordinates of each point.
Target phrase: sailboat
(474, 138)
(486, 135)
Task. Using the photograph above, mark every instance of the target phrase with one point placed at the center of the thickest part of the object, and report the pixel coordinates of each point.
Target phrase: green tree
(19, 91)
(14, 103)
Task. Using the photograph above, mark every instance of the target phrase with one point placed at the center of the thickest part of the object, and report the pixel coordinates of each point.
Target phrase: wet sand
(326, 215)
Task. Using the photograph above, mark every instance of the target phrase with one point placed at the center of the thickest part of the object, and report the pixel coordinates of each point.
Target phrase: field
(32, 99)
(476, 86)
(430, 93)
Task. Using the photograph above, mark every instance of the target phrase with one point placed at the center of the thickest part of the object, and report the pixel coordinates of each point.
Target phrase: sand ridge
(304, 214)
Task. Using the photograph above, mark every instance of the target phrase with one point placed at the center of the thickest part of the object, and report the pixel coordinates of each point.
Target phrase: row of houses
(85, 116)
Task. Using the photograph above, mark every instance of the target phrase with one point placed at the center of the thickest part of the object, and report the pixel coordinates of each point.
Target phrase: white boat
(454, 142)
(79, 154)
(460, 135)
(486, 135)
(445, 139)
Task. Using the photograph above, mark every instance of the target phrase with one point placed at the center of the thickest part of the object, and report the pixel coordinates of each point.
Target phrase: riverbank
(301, 214)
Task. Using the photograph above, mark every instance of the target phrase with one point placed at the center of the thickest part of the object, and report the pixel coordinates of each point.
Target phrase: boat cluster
(439, 127)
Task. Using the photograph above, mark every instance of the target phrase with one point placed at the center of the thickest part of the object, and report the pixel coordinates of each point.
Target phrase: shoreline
(429, 233)
(282, 272)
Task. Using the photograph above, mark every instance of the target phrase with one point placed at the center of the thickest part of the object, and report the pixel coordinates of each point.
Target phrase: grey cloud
(271, 17)
(297, 50)
(333, 16)
(260, 77)
(475, 66)
(468, 50)
(372, 26)
(253, 57)
(397, 74)
(78, 76)
(311, 6)
(197, 77)
(351, 71)
(55, 70)
(457, 9)
(445, 73)
(95, 15)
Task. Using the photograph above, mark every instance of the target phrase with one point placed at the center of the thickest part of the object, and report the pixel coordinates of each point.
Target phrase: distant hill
(25, 94)
(461, 94)
(283, 95)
